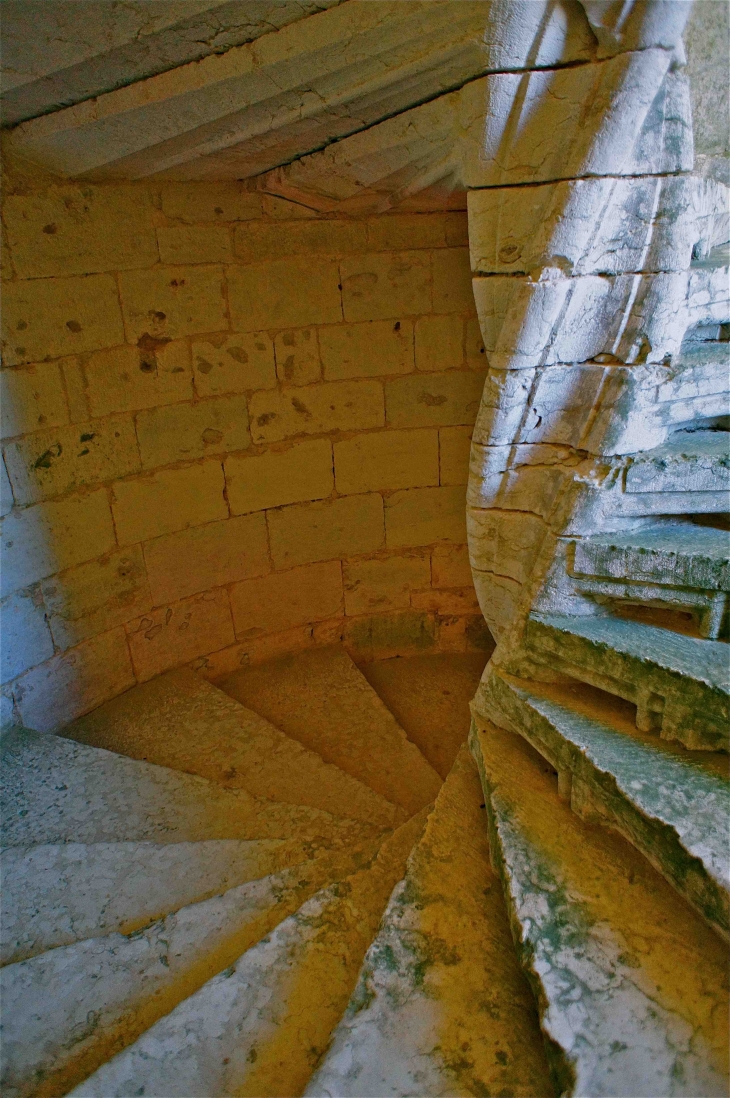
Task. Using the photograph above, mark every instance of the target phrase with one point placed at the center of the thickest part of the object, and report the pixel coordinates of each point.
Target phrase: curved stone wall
(231, 429)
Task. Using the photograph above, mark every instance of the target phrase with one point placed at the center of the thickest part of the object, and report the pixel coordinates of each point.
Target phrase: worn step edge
(57, 790)
(180, 721)
(441, 1005)
(577, 968)
(672, 810)
(273, 1007)
(53, 895)
(68, 1010)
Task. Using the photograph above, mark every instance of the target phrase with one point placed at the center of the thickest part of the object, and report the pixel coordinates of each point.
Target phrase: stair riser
(680, 708)
(595, 797)
(642, 565)
(710, 607)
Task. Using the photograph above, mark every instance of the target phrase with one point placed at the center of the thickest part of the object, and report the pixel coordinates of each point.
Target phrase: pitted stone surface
(259, 1026)
(106, 991)
(692, 461)
(632, 985)
(56, 790)
(674, 809)
(678, 554)
(180, 721)
(685, 681)
(57, 894)
(440, 1006)
(339, 715)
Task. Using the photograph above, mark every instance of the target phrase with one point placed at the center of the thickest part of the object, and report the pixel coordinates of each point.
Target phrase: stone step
(689, 474)
(631, 983)
(679, 564)
(321, 699)
(429, 697)
(679, 684)
(180, 721)
(691, 461)
(441, 1006)
(61, 893)
(674, 809)
(67, 1011)
(55, 790)
(259, 1027)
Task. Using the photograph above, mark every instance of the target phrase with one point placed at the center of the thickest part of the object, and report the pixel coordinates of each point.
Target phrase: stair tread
(321, 699)
(57, 894)
(181, 721)
(632, 983)
(441, 1006)
(677, 539)
(125, 984)
(672, 790)
(429, 697)
(57, 790)
(704, 661)
(689, 461)
(256, 1027)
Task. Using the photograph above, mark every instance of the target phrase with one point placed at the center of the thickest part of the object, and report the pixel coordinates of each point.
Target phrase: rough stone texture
(131, 981)
(440, 1006)
(670, 806)
(57, 791)
(279, 1000)
(679, 684)
(57, 894)
(631, 985)
(282, 600)
(182, 722)
(339, 716)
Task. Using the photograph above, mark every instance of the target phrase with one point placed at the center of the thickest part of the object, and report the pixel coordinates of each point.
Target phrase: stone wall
(231, 429)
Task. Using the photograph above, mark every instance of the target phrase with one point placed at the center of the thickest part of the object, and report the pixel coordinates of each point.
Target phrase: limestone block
(594, 226)
(437, 400)
(522, 478)
(386, 285)
(286, 293)
(309, 532)
(505, 397)
(457, 229)
(302, 472)
(31, 399)
(387, 459)
(233, 363)
(504, 542)
(283, 600)
(179, 632)
(562, 401)
(450, 566)
(94, 597)
(375, 348)
(642, 26)
(7, 712)
(386, 635)
(66, 686)
(38, 541)
(447, 602)
(180, 432)
(6, 492)
(49, 463)
(124, 379)
(26, 637)
(207, 556)
(76, 397)
(452, 290)
(194, 244)
(372, 586)
(454, 449)
(260, 240)
(499, 598)
(75, 230)
(282, 209)
(476, 355)
(312, 409)
(170, 302)
(195, 202)
(48, 318)
(297, 357)
(440, 342)
(166, 501)
(423, 516)
(395, 231)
